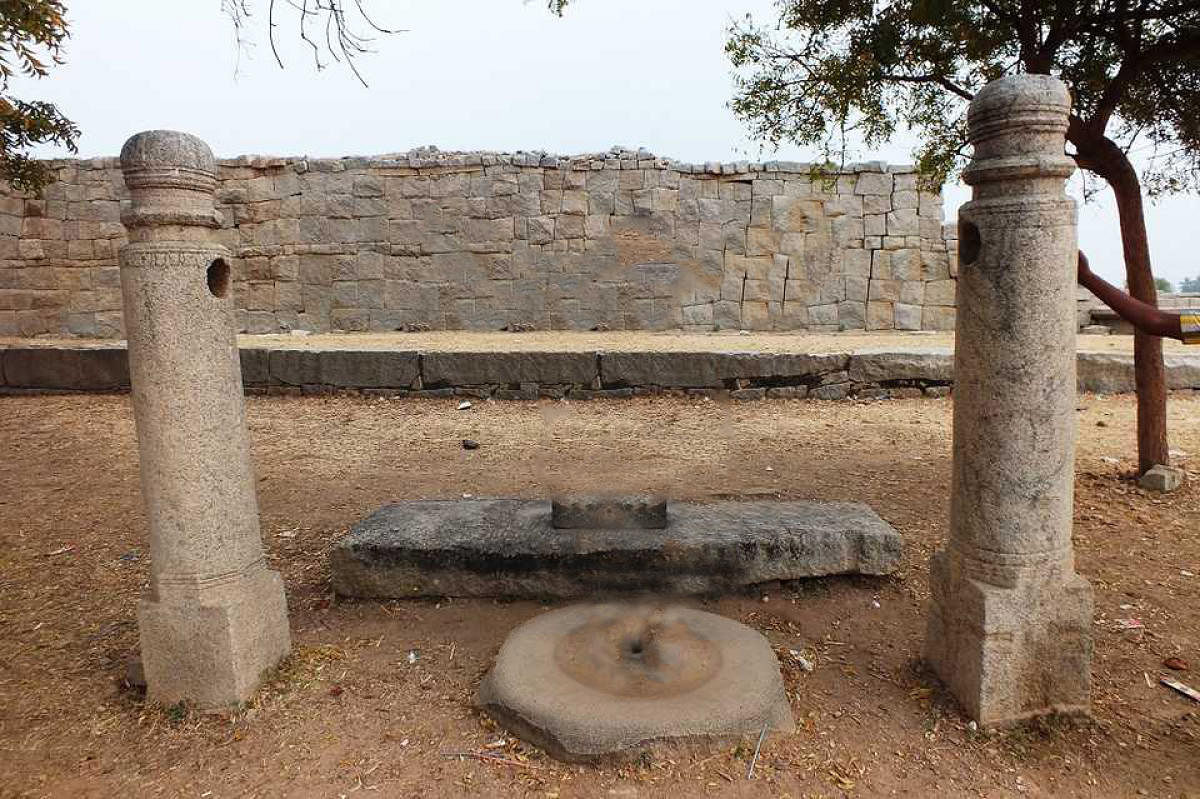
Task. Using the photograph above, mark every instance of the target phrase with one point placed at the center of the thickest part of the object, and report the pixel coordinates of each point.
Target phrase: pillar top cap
(167, 149)
(1017, 101)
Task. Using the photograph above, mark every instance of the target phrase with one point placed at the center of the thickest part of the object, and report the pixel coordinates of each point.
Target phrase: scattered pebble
(464, 405)
(470, 444)
(1176, 663)
(804, 663)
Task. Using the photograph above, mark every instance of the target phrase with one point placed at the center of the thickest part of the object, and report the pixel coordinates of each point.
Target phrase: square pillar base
(212, 646)
(1010, 654)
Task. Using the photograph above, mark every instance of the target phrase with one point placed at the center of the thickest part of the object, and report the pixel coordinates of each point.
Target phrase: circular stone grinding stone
(592, 682)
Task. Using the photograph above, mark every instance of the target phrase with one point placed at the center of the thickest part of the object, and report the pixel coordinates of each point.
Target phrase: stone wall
(484, 241)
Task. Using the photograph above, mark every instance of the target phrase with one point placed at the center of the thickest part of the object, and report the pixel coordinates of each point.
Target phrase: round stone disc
(591, 682)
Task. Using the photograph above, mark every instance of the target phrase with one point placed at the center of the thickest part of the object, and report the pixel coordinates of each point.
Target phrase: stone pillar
(214, 617)
(1010, 621)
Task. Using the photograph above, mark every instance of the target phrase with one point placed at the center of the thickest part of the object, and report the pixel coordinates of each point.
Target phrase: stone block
(908, 317)
(879, 183)
(880, 316)
(884, 290)
(711, 369)
(856, 263)
(875, 225)
(938, 318)
(761, 241)
(940, 292)
(852, 315)
(823, 314)
(857, 288)
(507, 547)
(903, 223)
(343, 368)
(912, 292)
(604, 512)
(256, 370)
(904, 199)
(906, 264)
(1162, 478)
(888, 366)
(796, 214)
(835, 391)
(66, 368)
(476, 368)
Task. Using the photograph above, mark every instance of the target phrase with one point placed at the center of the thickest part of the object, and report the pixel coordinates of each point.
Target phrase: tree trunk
(1102, 156)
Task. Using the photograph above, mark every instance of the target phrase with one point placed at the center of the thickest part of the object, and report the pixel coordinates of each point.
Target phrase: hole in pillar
(968, 242)
(218, 278)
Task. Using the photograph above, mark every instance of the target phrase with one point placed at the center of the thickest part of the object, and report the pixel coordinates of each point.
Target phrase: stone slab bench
(509, 547)
(575, 374)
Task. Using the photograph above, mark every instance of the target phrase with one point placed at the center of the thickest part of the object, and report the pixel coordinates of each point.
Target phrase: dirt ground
(616, 341)
(353, 713)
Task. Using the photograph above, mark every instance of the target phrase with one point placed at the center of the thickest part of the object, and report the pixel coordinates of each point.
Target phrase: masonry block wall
(488, 241)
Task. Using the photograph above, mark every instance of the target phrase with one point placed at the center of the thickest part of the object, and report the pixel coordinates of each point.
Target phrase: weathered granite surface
(578, 375)
(599, 682)
(1010, 621)
(507, 547)
(214, 617)
(630, 512)
(615, 240)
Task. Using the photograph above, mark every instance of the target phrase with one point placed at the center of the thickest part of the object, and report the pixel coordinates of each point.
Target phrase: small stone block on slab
(639, 512)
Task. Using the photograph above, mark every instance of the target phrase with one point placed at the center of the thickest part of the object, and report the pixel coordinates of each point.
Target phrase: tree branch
(940, 80)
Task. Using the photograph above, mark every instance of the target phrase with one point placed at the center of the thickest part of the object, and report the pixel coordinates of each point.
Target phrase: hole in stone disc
(218, 278)
(969, 242)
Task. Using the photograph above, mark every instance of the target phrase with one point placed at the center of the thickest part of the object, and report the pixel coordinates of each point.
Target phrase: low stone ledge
(886, 366)
(714, 369)
(573, 375)
(481, 368)
(65, 368)
(341, 368)
(1107, 373)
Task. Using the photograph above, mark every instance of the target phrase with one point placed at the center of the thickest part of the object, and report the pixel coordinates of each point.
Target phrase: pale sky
(467, 74)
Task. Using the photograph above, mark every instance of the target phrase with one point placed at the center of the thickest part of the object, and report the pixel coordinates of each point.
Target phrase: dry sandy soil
(615, 341)
(349, 714)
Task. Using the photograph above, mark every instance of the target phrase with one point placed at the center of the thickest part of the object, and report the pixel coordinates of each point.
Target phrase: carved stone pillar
(214, 617)
(1009, 629)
